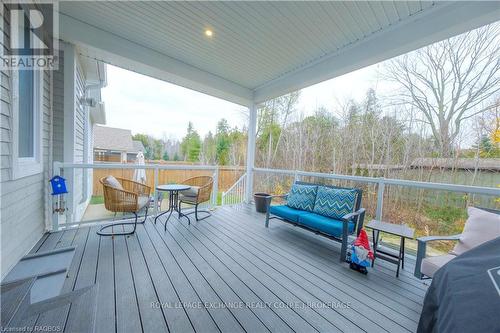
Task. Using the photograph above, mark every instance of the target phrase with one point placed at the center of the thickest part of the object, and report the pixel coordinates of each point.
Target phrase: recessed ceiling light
(209, 33)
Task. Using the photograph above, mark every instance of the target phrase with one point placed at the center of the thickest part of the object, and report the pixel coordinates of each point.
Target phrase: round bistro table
(173, 200)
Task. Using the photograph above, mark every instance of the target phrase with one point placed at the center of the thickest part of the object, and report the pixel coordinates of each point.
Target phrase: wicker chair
(200, 192)
(130, 198)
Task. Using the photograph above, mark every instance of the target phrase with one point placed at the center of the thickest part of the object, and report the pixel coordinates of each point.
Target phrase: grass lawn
(96, 200)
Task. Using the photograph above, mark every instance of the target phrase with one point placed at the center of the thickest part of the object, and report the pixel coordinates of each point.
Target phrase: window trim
(28, 166)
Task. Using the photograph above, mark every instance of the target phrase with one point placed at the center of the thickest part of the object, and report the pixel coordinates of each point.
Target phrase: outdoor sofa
(330, 211)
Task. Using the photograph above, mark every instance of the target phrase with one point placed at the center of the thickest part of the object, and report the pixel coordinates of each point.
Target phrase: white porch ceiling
(260, 50)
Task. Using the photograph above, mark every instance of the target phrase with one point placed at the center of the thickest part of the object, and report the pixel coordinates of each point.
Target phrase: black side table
(401, 230)
(173, 200)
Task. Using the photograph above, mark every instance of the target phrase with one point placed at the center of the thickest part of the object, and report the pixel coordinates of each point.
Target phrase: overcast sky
(158, 108)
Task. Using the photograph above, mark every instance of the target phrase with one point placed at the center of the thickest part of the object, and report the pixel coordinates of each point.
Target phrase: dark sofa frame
(358, 215)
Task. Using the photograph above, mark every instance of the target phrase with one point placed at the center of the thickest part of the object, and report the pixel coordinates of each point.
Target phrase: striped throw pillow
(302, 197)
(334, 202)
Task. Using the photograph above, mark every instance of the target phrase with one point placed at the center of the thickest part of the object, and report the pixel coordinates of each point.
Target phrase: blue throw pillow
(334, 202)
(302, 197)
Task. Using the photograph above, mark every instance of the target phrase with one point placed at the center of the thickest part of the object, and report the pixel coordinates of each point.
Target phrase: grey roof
(444, 163)
(111, 138)
(138, 146)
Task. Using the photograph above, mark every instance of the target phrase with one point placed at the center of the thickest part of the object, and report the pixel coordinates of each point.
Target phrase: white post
(252, 131)
(155, 199)
(380, 199)
(215, 187)
(55, 215)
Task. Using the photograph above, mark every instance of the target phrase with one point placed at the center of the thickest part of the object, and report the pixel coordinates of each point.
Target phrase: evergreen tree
(223, 143)
(191, 144)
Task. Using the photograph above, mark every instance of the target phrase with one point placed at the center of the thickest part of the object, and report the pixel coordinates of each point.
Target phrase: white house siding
(23, 200)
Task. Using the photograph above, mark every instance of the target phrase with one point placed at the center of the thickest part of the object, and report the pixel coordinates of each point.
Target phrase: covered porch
(251, 52)
(227, 273)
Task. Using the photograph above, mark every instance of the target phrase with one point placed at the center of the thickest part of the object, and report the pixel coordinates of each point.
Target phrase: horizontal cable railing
(236, 193)
(382, 182)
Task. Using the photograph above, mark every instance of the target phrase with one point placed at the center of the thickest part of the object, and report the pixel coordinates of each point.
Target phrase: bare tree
(448, 81)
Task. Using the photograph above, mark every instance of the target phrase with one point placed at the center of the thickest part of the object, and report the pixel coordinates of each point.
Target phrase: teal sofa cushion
(287, 213)
(324, 224)
(302, 197)
(334, 202)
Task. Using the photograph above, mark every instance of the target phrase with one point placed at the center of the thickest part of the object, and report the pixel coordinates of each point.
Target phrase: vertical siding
(22, 200)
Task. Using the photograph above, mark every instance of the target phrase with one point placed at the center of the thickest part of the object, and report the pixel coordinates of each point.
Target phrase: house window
(27, 118)
(26, 133)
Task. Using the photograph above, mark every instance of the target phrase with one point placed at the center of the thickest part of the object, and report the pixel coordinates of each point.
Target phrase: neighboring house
(115, 145)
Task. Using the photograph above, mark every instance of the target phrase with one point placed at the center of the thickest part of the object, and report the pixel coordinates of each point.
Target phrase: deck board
(153, 319)
(384, 270)
(234, 276)
(176, 318)
(318, 259)
(293, 239)
(105, 278)
(225, 319)
(245, 316)
(128, 318)
(200, 317)
(363, 315)
(215, 267)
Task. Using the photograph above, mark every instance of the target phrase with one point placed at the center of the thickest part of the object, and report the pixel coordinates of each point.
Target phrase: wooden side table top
(401, 230)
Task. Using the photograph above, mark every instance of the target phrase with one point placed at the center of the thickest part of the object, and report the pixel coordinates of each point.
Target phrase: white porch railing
(382, 182)
(236, 193)
(67, 170)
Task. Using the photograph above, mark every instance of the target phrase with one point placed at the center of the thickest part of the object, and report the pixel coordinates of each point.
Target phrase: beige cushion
(187, 199)
(480, 227)
(430, 265)
(192, 192)
(113, 182)
(142, 201)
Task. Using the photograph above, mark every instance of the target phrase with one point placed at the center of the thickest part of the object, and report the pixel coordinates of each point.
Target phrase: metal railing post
(380, 199)
(55, 215)
(216, 187)
(155, 199)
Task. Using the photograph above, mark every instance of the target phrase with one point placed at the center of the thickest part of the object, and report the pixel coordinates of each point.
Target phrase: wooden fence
(228, 175)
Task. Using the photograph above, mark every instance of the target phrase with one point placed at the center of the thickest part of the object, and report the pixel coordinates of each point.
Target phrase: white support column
(252, 131)
(69, 126)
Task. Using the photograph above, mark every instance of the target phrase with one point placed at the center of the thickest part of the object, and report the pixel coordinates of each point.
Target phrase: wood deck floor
(229, 273)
